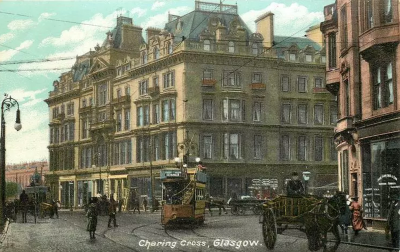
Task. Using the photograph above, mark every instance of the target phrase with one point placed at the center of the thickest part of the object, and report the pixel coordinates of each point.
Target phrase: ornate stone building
(251, 105)
(362, 42)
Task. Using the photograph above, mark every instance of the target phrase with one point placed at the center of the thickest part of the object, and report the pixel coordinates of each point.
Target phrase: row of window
(168, 81)
(156, 53)
(303, 148)
(61, 110)
(62, 133)
(163, 147)
(302, 114)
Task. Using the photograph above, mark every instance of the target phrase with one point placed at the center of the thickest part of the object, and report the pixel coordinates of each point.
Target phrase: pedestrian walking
(357, 219)
(344, 218)
(92, 217)
(23, 201)
(136, 202)
(112, 211)
(54, 209)
(145, 203)
(393, 220)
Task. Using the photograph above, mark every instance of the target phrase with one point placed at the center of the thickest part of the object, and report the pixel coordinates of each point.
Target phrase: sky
(34, 31)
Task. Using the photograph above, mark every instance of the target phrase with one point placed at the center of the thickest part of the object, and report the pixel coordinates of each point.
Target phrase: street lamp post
(7, 104)
(306, 177)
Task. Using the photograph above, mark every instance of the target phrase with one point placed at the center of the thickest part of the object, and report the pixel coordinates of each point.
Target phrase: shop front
(381, 175)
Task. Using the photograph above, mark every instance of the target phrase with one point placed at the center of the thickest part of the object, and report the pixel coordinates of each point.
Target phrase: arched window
(156, 53)
(144, 57)
(231, 47)
(207, 45)
(254, 49)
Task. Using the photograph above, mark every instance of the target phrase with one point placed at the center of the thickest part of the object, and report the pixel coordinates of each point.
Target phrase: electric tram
(183, 196)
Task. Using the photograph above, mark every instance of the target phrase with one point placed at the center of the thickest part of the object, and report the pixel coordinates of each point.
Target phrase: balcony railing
(121, 99)
(208, 82)
(153, 90)
(258, 86)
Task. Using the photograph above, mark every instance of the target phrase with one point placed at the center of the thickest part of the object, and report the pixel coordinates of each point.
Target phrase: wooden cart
(313, 215)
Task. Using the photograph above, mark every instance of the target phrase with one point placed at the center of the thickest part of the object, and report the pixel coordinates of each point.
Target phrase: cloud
(138, 11)
(20, 24)
(159, 21)
(157, 5)
(45, 15)
(30, 143)
(5, 37)
(97, 26)
(288, 20)
(8, 54)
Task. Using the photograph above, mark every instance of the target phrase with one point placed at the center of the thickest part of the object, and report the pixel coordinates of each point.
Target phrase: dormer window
(231, 47)
(254, 49)
(156, 53)
(292, 56)
(169, 46)
(144, 57)
(207, 45)
(179, 25)
(308, 58)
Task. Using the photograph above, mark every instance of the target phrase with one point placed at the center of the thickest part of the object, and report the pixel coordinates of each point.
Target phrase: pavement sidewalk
(373, 237)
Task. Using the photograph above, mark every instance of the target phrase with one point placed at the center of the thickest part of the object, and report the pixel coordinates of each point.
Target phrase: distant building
(22, 173)
(251, 105)
(362, 71)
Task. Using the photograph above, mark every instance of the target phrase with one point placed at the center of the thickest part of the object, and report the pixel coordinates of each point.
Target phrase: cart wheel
(269, 228)
(257, 210)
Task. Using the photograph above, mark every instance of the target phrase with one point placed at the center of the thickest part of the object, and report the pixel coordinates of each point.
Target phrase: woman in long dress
(357, 219)
(92, 218)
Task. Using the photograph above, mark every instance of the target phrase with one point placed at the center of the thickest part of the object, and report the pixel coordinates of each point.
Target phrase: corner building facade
(252, 106)
(362, 42)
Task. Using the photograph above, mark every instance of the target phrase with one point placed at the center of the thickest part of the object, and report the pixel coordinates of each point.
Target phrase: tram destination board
(170, 174)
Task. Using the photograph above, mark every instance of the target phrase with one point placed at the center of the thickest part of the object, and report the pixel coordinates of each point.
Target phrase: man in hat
(393, 219)
(295, 186)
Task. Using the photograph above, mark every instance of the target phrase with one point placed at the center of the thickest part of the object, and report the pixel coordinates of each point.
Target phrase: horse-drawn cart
(313, 215)
(241, 206)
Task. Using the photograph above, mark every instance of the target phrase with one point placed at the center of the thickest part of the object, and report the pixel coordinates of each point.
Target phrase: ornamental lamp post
(306, 177)
(7, 103)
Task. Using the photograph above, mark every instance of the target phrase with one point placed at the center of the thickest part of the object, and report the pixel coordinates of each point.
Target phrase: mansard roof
(117, 33)
(195, 22)
(282, 43)
(80, 69)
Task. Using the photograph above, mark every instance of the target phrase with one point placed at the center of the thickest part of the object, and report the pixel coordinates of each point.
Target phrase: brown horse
(322, 219)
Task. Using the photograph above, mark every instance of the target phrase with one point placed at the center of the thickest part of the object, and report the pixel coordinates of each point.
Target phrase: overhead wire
(53, 19)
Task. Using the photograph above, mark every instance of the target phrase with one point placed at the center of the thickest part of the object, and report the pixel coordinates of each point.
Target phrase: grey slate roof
(196, 21)
(281, 43)
(81, 70)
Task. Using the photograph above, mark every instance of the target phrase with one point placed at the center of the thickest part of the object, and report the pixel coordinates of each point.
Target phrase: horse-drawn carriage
(245, 204)
(313, 215)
